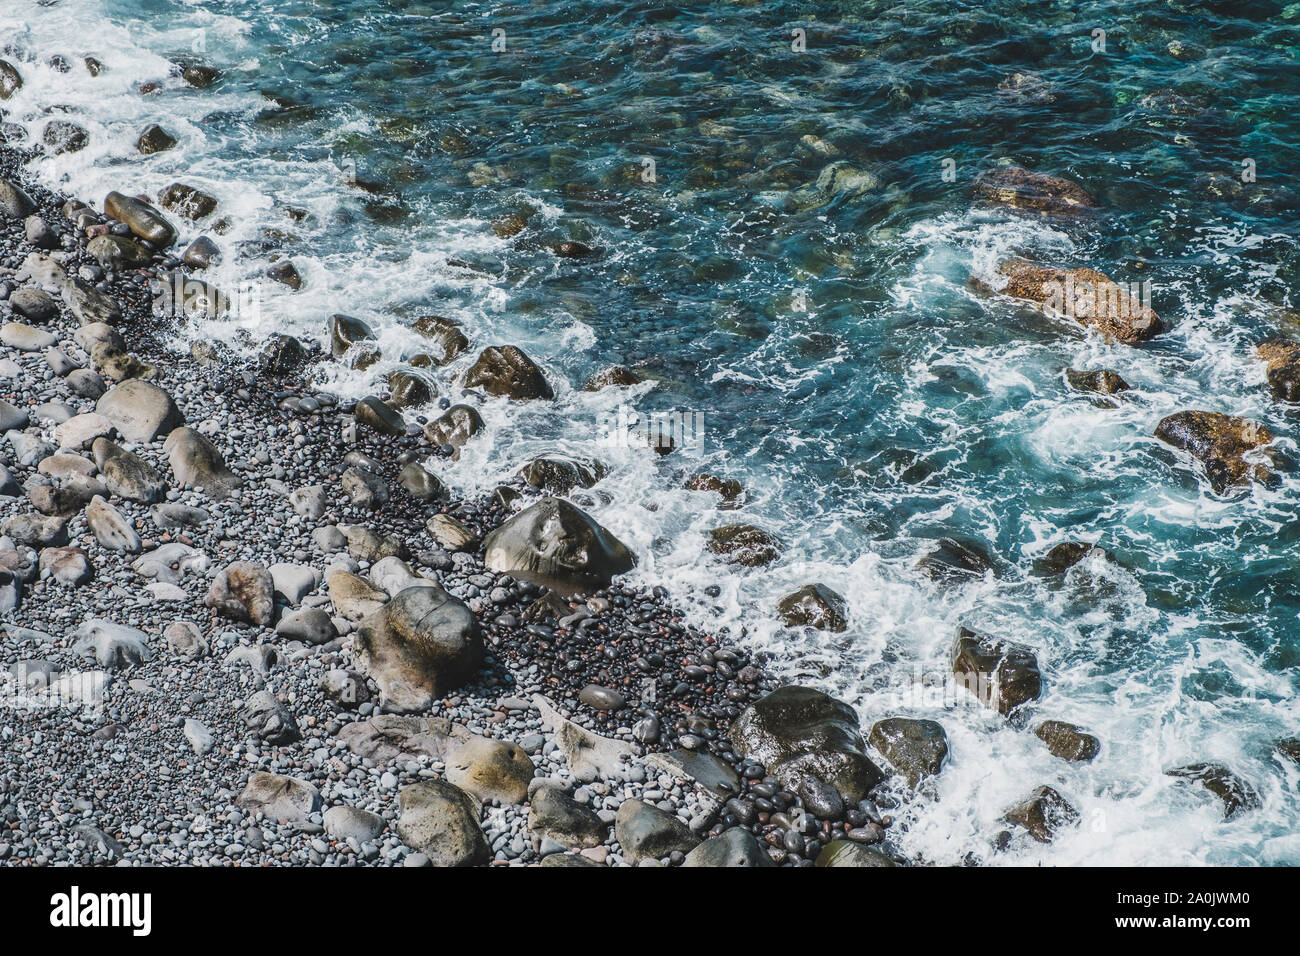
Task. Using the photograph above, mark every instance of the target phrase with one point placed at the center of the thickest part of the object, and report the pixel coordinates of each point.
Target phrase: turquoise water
(796, 270)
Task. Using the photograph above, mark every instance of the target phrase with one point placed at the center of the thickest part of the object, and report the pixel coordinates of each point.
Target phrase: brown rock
(1089, 297)
(1220, 442)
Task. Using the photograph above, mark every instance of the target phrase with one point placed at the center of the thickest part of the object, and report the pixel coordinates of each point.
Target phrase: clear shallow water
(896, 406)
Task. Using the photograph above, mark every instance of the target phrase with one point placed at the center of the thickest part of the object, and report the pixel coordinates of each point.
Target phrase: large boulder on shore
(243, 591)
(799, 732)
(733, 848)
(417, 647)
(196, 463)
(441, 820)
(1087, 296)
(506, 371)
(1220, 443)
(139, 410)
(1001, 674)
(1029, 191)
(454, 427)
(557, 544)
(647, 833)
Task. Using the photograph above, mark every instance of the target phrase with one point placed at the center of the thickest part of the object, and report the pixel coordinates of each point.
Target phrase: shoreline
(302, 707)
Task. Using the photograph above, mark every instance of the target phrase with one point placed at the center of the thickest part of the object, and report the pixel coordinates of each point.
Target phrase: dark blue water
(796, 271)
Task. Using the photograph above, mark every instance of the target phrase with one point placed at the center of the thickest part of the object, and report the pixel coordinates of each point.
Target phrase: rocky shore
(244, 623)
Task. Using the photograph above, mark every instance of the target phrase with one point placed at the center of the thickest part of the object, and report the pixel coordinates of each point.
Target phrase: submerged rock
(1043, 814)
(555, 543)
(1001, 674)
(559, 476)
(1235, 793)
(1102, 381)
(1220, 442)
(1087, 296)
(956, 560)
(446, 340)
(1024, 189)
(612, 377)
(798, 732)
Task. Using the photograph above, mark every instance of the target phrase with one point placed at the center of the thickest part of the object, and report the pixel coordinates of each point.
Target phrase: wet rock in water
(11, 81)
(196, 463)
(1090, 298)
(647, 833)
(154, 139)
(141, 218)
(1024, 189)
(491, 770)
(243, 591)
(1220, 442)
(848, 853)
(555, 543)
(559, 476)
(442, 821)
(956, 560)
(614, 376)
(35, 305)
(364, 489)
(1102, 381)
(507, 372)
(1064, 556)
(113, 531)
(279, 797)
(1001, 674)
(1068, 741)
(187, 201)
(1043, 814)
(127, 475)
(345, 332)
(285, 273)
(1282, 366)
(745, 544)
(202, 253)
(454, 428)
(421, 644)
(200, 75)
(730, 489)
(915, 748)
(139, 410)
(408, 388)
(282, 355)
(1031, 89)
(814, 605)
(798, 732)
(63, 136)
(1236, 794)
(1289, 748)
(446, 340)
(379, 416)
(732, 848)
(554, 815)
(421, 484)
(572, 249)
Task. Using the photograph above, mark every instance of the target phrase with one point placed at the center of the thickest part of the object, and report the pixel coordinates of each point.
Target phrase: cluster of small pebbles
(205, 565)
